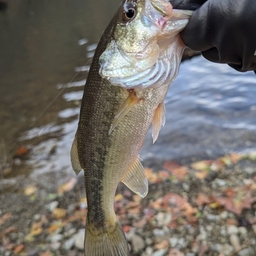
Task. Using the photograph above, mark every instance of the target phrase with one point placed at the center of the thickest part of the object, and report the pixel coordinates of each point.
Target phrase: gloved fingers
(186, 4)
(194, 35)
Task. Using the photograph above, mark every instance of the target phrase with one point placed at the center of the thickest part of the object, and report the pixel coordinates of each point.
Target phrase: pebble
(234, 240)
(232, 229)
(190, 254)
(246, 252)
(220, 182)
(70, 232)
(173, 241)
(52, 205)
(242, 231)
(137, 243)
(254, 228)
(159, 252)
(55, 246)
(37, 217)
(158, 232)
(149, 250)
(68, 244)
(226, 249)
(56, 238)
(224, 215)
(163, 218)
(79, 239)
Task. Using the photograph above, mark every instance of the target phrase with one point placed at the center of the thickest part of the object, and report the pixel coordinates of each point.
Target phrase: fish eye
(129, 12)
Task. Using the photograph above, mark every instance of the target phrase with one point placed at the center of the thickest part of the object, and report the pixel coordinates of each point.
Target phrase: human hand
(223, 30)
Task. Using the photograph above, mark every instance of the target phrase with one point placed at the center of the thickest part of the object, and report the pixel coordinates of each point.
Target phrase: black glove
(223, 30)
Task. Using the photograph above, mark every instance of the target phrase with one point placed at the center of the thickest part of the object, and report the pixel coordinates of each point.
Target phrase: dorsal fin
(135, 179)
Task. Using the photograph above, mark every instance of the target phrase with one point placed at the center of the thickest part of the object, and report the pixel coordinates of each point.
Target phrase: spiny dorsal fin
(158, 121)
(136, 180)
(74, 157)
(128, 104)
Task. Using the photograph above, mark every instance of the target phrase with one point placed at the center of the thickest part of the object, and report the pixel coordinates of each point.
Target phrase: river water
(45, 52)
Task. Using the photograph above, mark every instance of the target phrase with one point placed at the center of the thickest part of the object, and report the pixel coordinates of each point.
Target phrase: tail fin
(106, 244)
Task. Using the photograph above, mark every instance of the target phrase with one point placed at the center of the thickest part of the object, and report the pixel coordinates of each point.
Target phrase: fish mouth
(115, 63)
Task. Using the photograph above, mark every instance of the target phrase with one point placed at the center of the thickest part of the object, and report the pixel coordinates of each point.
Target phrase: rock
(224, 215)
(242, 231)
(55, 246)
(173, 241)
(68, 244)
(234, 240)
(246, 252)
(137, 243)
(70, 232)
(52, 206)
(149, 251)
(37, 217)
(226, 249)
(232, 229)
(79, 239)
(254, 228)
(56, 238)
(159, 252)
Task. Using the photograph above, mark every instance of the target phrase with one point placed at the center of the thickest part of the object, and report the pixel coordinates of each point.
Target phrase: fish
(114, 120)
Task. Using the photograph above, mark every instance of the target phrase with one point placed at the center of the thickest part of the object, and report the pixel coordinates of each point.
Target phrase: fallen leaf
(177, 170)
(162, 245)
(8, 230)
(56, 225)
(19, 248)
(59, 213)
(201, 175)
(67, 186)
(201, 165)
(118, 197)
(5, 217)
(21, 151)
(235, 157)
(202, 199)
(30, 190)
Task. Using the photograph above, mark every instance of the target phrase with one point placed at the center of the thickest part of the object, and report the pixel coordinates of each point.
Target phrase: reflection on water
(210, 108)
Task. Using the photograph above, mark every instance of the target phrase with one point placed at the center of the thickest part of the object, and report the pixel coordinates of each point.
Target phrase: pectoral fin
(158, 121)
(128, 104)
(136, 180)
(74, 157)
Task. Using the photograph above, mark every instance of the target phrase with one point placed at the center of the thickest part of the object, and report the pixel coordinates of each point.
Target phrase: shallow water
(210, 108)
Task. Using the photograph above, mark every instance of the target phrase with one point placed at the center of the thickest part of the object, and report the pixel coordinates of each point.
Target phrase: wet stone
(232, 229)
(68, 244)
(173, 241)
(52, 206)
(137, 243)
(79, 239)
(159, 252)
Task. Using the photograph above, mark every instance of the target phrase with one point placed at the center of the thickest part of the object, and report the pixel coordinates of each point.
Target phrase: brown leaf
(59, 213)
(67, 186)
(202, 199)
(19, 248)
(177, 170)
(201, 165)
(162, 245)
(21, 151)
(201, 175)
(235, 157)
(30, 190)
(5, 217)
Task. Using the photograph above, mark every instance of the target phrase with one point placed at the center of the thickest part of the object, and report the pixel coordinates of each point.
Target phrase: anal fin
(135, 179)
(74, 157)
(158, 121)
(128, 104)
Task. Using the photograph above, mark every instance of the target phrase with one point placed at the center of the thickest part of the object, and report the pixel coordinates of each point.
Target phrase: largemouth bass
(114, 121)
